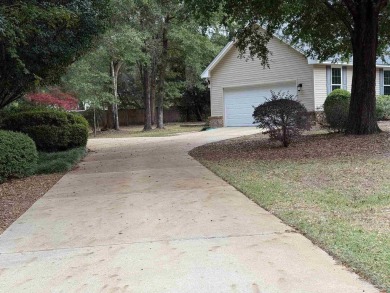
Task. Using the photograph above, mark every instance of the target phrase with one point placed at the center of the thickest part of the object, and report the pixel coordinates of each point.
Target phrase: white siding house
(237, 85)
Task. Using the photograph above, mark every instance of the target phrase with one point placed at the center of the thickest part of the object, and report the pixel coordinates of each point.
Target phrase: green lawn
(333, 189)
(171, 129)
(59, 162)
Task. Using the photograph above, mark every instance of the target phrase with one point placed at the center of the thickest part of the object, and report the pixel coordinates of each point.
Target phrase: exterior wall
(320, 92)
(216, 121)
(286, 64)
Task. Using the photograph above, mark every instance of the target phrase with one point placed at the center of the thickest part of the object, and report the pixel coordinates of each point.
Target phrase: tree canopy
(319, 28)
(40, 38)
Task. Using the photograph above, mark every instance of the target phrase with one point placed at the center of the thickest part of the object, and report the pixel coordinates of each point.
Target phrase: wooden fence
(136, 116)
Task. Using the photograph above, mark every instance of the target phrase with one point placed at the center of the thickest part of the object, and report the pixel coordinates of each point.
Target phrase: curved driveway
(140, 215)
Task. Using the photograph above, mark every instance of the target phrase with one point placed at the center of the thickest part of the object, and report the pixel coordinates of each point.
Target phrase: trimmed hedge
(52, 130)
(383, 107)
(336, 108)
(18, 156)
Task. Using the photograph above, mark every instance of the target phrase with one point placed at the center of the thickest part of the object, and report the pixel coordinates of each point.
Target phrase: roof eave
(225, 50)
(315, 61)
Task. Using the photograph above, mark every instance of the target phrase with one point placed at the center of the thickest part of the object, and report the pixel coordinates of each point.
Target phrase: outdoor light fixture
(299, 87)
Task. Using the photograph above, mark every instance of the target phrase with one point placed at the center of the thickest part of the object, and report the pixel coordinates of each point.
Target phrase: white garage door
(239, 102)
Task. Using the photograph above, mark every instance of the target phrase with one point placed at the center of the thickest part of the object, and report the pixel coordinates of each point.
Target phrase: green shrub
(336, 108)
(52, 130)
(80, 119)
(18, 155)
(283, 117)
(383, 107)
(78, 134)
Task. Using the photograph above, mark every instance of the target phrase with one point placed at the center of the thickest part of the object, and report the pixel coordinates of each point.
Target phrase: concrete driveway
(140, 215)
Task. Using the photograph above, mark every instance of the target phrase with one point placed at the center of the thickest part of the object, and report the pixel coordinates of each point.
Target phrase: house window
(386, 82)
(336, 78)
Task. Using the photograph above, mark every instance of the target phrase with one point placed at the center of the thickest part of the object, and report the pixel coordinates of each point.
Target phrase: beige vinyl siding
(286, 64)
(320, 91)
(350, 75)
(349, 78)
(377, 86)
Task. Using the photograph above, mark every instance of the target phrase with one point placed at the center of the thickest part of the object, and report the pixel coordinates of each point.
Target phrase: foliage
(195, 104)
(55, 98)
(39, 39)
(52, 130)
(283, 117)
(58, 162)
(336, 108)
(298, 21)
(383, 107)
(18, 156)
(89, 80)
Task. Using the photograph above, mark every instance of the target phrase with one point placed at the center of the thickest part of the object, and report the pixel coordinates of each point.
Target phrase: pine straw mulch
(316, 144)
(18, 195)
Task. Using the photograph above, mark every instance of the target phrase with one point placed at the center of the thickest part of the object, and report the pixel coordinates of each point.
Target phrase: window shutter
(381, 81)
(328, 79)
(345, 78)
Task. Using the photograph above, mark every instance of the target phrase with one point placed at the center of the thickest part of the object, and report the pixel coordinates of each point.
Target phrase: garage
(239, 102)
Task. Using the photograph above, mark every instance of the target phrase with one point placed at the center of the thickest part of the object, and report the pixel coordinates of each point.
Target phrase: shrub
(54, 98)
(336, 108)
(383, 107)
(52, 130)
(283, 117)
(18, 156)
(78, 135)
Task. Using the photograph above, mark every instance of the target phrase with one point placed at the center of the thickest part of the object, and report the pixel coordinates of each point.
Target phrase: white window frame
(385, 86)
(331, 78)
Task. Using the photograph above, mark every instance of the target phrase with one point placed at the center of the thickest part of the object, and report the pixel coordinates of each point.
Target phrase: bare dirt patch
(18, 195)
(313, 146)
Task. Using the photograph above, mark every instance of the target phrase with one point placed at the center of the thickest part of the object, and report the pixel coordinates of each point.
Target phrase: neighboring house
(237, 85)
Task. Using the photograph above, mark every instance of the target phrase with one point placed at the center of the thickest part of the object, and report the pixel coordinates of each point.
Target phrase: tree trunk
(108, 120)
(146, 89)
(162, 68)
(115, 67)
(153, 74)
(94, 121)
(362, 112)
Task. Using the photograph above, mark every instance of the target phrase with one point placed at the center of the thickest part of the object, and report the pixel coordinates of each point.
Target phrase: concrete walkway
(140, 215)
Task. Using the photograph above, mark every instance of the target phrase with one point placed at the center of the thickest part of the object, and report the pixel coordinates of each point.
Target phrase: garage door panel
(240, 102)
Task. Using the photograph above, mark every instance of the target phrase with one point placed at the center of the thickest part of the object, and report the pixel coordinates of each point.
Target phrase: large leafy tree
(338, 29)
(89, 80)
(120, 46)
(40, 38)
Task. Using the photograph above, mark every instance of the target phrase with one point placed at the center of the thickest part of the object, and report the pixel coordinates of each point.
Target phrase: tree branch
(340, 16)
(350, 4)
(381, 5)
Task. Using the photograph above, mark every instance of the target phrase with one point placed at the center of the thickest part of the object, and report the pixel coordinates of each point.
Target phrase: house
(237, 85)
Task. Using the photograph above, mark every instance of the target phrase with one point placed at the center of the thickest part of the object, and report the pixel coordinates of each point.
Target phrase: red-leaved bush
(54, 98)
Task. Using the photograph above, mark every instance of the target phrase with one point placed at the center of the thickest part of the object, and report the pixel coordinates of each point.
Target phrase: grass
(171, 129)
(59, 162)
(341, 203)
